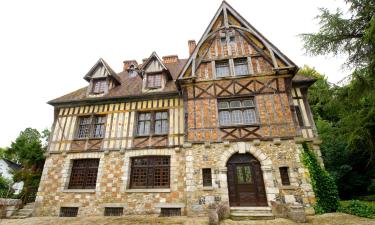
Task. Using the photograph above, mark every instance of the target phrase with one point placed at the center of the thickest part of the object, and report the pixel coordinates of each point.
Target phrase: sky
(47, 46)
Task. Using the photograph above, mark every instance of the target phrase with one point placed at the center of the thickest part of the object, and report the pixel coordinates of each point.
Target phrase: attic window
(132, 72)
(98, 86)
(154, 81)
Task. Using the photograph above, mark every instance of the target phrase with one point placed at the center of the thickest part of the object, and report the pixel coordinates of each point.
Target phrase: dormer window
(153, 80)
(98, 86)
(132, 72)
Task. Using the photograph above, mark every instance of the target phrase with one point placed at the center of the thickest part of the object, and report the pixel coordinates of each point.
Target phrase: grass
(358, 208)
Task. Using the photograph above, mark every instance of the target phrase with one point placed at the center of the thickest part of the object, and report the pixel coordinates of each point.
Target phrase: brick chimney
(170, 59)
(192, 44)
(127, 63)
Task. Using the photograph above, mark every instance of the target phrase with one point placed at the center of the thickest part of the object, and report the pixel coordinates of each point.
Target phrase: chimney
(170, 59)
(128, 63)
(192, 44)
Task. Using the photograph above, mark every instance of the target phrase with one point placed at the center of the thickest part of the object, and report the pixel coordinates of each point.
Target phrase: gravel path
(326, 219)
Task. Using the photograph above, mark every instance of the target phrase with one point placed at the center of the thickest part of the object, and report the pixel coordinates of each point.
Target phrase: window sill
(208, 188)
(240, 125)
(90, 139)
(79, 191)
(149, 190)
(150, 136)
(288, 187)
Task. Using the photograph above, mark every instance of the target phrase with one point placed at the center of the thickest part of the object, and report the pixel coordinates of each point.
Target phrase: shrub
(358, 208)
(6, 189)
(327, 198)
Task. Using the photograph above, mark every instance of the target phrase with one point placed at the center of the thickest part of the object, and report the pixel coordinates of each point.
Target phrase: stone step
(18, 217)
(251, 213)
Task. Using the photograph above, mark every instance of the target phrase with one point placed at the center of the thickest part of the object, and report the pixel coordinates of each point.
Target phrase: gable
(229, 35)
(101, 70)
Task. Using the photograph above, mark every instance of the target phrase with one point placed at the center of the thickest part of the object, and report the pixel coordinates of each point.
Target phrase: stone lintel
(187, 145)
(71, 205)
(169, 205)
(79, 191)
(277, 141)
(113, 205)
(288, 187)
(159, 190)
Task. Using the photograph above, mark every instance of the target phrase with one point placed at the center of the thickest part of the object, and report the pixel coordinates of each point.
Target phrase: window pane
(240, 67)
(147, 128)
(237, 117)
(223, 105)
(144, 123)
(235, 104)
(154, 81)
(165, 127)
(150, 172)
(158, 125)
(249, 116)
(84, 173)
(207, 178)
(248, 103)
(243, 175)
(224, 118)
(222, 69)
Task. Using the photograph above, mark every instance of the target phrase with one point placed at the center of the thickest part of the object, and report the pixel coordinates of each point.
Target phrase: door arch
(245, 181)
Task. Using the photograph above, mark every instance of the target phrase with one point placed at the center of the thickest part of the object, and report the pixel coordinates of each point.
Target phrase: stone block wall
(111, 187)
(186, 183)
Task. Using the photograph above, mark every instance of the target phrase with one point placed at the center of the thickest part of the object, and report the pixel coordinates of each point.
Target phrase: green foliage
(28, 150)
(6, 189)
(358, 208)
(327, 199)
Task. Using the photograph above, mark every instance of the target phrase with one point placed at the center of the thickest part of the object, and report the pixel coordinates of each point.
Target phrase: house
(6, 168)
(173, 136)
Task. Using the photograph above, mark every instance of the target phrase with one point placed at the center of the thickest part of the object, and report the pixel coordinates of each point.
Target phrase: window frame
(150, 169)
(218, 62)
(206, 181)
(91, 127)
(152, 120)
(284, 175)
(241, 108)
(85, 175)
(236, 62)
(101, 88)
(154, 75)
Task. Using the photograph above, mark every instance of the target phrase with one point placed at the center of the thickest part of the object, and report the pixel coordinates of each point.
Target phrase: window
(132, 71)
(243, 174)
(222, 68)
(68, 211)
(84, 173)
(154, 81)
(113, 211)
(150, 172)
(299, 116)
(165, 212)
(91, 127)
(152, 123)
(237, 112)
(98, 86)
(284, 175)
(207, 178)
(240, 67)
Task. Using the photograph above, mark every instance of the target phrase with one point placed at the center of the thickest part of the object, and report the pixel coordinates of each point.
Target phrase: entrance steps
(251, 213)
(25, 212)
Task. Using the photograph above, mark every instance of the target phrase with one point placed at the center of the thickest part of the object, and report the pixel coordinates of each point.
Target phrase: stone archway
(265, 165)
(245, 181)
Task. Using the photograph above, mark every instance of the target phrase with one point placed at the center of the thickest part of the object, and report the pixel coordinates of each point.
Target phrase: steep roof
(11, 164)
(237, 22)
(300, 79)
(130, 87)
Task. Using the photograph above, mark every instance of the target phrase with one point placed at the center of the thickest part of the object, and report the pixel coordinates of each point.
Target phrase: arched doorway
(245, 181)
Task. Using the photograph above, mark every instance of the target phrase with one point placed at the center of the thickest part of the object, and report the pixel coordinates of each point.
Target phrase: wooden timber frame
(120, 126)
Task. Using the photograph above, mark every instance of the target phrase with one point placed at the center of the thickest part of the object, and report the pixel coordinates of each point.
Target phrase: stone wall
(186, 184)
(9, 206)
(111, 187)
(271, 155)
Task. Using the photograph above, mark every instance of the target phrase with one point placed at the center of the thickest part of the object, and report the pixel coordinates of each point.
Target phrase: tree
(331, 110)
(28, 150)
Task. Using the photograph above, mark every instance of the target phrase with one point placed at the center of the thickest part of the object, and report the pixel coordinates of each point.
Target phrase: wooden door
(245, 181)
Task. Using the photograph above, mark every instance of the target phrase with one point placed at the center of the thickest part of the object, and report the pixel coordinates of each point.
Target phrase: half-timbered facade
(174, 136)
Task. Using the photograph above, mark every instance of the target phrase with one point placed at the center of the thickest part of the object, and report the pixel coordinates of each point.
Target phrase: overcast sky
(46, 47)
